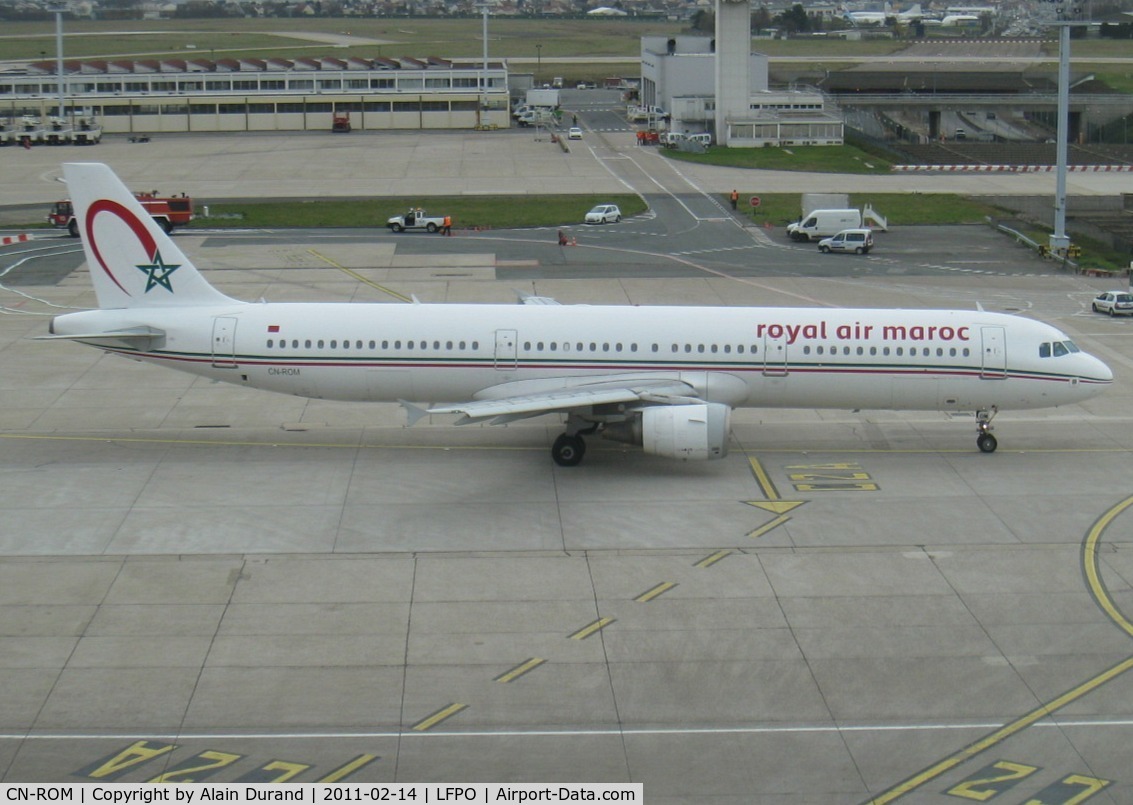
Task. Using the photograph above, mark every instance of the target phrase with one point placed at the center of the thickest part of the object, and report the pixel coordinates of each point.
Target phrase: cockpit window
(1057, 349)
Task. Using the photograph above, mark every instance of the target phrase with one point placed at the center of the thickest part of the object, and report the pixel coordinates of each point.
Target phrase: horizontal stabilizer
(129, 334)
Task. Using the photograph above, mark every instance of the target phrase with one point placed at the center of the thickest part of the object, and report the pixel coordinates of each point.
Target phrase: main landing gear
(569, 448)
(984, 440)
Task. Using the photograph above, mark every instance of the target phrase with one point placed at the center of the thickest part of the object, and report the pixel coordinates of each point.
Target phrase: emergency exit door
(506, 357)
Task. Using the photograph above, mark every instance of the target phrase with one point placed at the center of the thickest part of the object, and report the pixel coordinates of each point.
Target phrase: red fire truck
(168, 212)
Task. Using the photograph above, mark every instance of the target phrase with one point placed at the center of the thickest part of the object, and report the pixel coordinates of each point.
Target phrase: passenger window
(271, 343)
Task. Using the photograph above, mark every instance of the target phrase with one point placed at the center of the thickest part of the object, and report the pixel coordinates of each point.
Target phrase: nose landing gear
(984, 440)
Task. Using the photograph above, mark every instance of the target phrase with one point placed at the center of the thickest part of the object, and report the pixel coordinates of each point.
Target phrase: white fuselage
(742, 357)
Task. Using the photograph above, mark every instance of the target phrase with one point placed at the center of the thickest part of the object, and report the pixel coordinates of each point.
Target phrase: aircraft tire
(567, 451)
(986, 443)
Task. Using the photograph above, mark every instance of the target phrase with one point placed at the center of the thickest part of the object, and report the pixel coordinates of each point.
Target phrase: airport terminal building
(301, 94)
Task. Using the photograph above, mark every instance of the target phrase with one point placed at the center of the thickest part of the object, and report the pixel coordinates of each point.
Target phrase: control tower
(733, 71)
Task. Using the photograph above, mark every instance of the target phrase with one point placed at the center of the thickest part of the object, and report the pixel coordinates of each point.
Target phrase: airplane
(663, 378)
(859, 18)
(951, 20)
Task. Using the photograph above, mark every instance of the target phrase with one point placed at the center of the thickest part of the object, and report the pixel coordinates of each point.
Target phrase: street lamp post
(483, 6)
(538, 59)
(1069, 13)
(58, 12)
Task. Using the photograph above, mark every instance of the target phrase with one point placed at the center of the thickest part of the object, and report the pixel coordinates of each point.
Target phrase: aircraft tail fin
(132, 262)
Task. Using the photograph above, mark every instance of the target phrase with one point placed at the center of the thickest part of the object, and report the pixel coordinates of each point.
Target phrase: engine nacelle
(689, 432)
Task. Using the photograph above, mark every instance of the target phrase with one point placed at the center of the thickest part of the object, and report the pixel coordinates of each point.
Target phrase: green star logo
(157, 273)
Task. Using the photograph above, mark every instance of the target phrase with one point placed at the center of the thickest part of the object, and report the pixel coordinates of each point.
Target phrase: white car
(1115, 303)
(575, 133)
(604, 214)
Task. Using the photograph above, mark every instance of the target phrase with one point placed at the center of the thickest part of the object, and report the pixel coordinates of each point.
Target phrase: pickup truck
(416, 220)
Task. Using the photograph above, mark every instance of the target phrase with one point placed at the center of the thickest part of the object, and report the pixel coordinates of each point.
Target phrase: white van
(820, 224)
(857, 241)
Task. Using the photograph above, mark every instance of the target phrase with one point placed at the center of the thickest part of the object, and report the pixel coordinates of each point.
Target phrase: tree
(794, 20)
(760, 20)
(703, 21)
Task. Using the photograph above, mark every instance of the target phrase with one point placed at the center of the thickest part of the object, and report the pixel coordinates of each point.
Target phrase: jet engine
(691, 432)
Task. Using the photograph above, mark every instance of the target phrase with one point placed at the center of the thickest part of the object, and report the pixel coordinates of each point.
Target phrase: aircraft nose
(1095, 371)
(1104, 371)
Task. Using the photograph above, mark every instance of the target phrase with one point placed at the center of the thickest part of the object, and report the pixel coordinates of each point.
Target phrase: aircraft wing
(500, 409)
